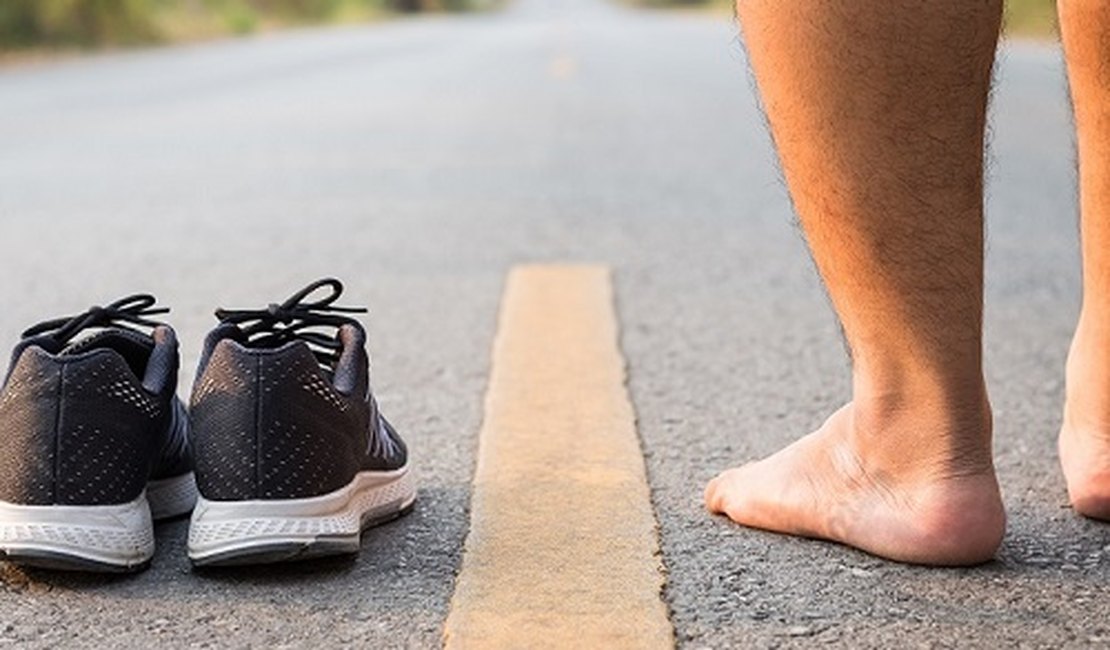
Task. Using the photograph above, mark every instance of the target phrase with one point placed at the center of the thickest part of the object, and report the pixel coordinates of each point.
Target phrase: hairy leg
(1085, 436)
(878, 111)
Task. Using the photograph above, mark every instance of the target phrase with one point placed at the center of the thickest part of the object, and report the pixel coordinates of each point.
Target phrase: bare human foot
(1085, 436)
(887, 181)
(921, 508)
(1084, 442)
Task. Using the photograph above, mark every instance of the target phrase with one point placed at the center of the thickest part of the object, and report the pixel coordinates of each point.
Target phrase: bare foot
(915, 507)
(1085, 457)
(1084, 442)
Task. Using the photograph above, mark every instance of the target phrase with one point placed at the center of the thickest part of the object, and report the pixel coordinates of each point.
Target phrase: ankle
(1087, 406)
(927, 430)
(946, 386)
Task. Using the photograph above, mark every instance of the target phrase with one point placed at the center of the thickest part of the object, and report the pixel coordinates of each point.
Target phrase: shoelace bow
(132, 310)
(295, 319)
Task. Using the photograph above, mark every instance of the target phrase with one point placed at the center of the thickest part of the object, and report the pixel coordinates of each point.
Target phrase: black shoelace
(123, 313)
(297, 319)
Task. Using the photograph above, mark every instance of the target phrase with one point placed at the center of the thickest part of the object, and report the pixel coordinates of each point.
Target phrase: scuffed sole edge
(295, 551)
(264, 532)
(64, 560)
(172, 497)
(112, 539)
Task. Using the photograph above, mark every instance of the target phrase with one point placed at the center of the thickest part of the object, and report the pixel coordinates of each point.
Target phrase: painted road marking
(563, 67)
(563, 549)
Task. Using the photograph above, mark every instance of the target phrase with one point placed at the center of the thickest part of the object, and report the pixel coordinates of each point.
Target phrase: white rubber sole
(115, 538)
(172, 497)
(261, 531)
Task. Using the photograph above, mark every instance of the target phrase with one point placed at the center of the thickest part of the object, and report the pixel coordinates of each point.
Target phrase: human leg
(1085, 435)
(878, 111)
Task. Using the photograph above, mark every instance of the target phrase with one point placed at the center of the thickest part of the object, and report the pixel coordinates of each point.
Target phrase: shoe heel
(172, 497)
(115, 538)
(263, 531)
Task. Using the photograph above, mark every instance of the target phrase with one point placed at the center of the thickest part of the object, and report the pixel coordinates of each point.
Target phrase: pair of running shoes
(283, 438)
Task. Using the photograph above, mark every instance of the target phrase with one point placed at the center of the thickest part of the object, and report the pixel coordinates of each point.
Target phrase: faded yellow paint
(563, 67)
(563, 549)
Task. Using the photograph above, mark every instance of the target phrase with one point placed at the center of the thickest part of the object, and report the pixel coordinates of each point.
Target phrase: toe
(722, 492)
(712, 495)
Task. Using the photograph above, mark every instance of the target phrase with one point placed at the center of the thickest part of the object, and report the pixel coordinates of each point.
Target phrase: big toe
(724, 493)
(712, 494)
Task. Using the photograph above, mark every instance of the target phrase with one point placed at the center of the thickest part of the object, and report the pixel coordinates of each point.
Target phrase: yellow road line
(563, 549)
(563, 67)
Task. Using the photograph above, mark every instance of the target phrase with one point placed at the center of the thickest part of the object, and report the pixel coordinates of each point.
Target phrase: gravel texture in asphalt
(419, 160)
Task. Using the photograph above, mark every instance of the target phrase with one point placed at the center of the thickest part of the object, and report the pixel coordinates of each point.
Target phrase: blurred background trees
(90, 23)
(83, 22)
(1031, 17)
(93, 23)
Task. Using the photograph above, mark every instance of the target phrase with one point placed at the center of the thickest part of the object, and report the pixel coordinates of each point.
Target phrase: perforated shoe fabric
(79, 428)
(284, 420)
(85, 426)
(271, 424)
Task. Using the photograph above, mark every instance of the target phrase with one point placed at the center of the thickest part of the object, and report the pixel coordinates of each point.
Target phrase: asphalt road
(421, 159)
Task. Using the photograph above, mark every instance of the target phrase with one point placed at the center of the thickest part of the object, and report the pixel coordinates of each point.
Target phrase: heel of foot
(1090, 495)
(1085, 460)
(963, 525)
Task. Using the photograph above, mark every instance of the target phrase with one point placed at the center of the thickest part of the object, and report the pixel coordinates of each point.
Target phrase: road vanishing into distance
(421, 160)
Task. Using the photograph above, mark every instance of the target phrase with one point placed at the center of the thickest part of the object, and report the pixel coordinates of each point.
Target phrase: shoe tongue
(134, 347)
(127, 342)
(349, 375)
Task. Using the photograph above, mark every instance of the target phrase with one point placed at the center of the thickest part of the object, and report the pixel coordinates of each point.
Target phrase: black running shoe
(93, 440)
(293, 458)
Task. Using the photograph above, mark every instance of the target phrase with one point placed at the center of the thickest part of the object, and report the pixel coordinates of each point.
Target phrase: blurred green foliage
(1031, 17)
(89, 23)
(80, 22)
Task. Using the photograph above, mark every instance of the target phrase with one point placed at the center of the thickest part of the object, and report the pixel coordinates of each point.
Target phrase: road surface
(420, 160)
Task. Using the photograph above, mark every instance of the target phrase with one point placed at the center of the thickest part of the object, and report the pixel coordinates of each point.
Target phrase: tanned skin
(878, 110)
(1085, 436)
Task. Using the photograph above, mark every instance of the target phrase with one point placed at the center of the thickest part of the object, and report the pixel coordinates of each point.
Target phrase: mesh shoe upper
(282, 416)
(90, 422)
